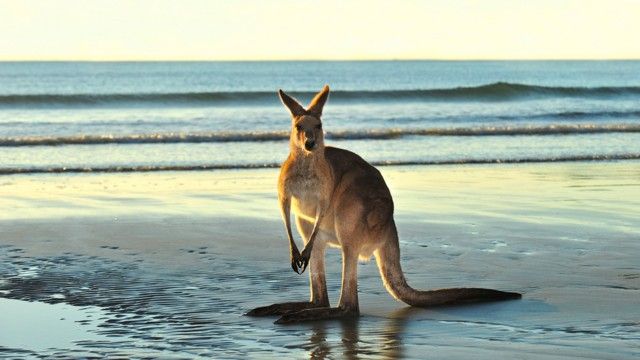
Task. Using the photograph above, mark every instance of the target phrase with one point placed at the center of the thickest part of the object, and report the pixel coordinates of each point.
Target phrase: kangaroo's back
(353, 173)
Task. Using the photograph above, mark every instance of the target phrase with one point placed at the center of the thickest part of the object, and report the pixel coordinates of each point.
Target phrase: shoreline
(171, 168)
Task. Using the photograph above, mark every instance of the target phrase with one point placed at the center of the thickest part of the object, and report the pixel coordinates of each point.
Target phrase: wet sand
(165, 264)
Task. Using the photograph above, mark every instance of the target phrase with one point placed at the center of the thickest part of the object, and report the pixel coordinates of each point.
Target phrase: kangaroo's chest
(305, 192)
(307, 180)
(304, 187)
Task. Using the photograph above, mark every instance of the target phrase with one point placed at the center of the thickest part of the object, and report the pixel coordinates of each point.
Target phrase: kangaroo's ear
(292, 104)
(316, 105)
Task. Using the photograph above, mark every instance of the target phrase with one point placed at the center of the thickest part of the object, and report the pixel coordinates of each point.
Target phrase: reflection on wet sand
(384, 341)
(393, 332)
(318, 346)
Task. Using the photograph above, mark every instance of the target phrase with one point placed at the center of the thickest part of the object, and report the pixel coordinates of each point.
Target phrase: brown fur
(340, 200)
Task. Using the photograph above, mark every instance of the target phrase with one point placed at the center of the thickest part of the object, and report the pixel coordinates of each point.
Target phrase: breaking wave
(381, 134)
(499, 91)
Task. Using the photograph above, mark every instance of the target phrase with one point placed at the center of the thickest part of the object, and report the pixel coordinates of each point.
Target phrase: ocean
(145, 116)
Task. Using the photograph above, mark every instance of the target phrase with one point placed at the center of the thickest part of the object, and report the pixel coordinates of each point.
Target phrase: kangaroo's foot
(283, 308)
(323, 313)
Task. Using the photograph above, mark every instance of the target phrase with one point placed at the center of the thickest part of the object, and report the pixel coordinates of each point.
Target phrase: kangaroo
(340, 200)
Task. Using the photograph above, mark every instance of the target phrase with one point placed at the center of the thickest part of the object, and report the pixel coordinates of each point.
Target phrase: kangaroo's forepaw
(299, 262)
(281, 309)
(324, 313)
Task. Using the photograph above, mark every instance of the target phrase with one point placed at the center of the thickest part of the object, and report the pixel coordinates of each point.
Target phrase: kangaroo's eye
(319, 126)
(299, 127)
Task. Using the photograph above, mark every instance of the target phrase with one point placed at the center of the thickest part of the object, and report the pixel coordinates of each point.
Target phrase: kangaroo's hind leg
(348, 306)
(317, 279)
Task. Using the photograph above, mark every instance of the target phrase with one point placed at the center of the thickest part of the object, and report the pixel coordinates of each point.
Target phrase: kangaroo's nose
(309, 145)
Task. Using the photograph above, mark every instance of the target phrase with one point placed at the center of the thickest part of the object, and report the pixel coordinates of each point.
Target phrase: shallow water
(65, 324)
(167, 266)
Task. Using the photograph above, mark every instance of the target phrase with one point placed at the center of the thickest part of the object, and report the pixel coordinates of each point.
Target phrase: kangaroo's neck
(311, 170)
(308, 160)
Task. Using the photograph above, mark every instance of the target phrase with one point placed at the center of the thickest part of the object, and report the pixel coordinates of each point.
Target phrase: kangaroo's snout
(309, 145)
(309, 140)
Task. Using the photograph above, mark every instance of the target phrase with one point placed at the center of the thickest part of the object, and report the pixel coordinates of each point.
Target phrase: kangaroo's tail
(388, 259)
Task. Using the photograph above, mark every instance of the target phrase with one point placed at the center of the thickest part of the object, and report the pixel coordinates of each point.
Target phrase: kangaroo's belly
(306, 210)
(304, 207)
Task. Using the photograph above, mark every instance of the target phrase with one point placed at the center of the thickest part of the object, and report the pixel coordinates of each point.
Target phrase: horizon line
(319, 60)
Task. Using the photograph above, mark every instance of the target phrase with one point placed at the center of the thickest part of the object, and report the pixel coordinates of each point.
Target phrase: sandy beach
(163, 265)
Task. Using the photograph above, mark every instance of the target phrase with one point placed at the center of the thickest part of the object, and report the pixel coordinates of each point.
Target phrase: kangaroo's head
(306, 126)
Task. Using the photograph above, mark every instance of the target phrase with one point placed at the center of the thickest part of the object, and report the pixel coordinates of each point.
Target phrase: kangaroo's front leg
(304, 257)
(285, 212)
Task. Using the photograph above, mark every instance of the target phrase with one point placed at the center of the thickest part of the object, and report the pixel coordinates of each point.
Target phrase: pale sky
(318, 29)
